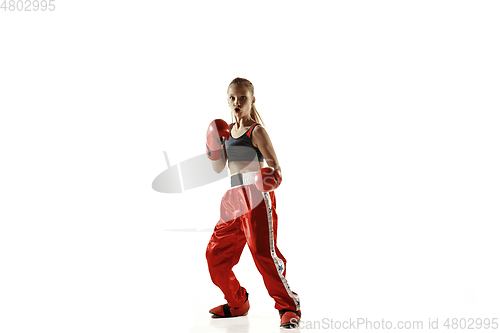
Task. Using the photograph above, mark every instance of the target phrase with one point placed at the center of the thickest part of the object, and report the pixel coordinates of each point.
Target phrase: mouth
(237, 110)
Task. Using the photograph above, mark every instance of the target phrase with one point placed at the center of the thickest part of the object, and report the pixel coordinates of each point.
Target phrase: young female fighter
(248, 209)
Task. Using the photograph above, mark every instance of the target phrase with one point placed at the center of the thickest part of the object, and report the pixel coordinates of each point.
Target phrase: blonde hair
(254, 114)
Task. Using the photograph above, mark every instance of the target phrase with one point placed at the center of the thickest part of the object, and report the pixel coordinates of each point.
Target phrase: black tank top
(242, 149)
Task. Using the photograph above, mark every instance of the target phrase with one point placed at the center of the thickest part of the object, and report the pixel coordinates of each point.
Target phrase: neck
(242, 121)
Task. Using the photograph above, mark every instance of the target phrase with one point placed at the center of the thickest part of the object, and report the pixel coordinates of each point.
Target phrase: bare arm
(261, 140)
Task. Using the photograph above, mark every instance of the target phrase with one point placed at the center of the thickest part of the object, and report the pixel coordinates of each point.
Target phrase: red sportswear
(248, 216)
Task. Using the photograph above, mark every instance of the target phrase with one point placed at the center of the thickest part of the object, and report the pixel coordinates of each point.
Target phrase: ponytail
(255, 116)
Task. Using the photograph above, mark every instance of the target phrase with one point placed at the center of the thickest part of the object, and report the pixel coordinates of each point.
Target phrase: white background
(384, 116)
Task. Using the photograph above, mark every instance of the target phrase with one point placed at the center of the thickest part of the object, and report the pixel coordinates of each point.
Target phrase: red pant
(248, 216)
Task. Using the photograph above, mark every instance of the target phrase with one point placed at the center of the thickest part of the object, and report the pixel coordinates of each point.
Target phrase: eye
(231, 98)
(243, 97)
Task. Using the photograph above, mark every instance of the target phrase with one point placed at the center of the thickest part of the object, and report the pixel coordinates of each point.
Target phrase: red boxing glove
(217, 130)
(268, 179)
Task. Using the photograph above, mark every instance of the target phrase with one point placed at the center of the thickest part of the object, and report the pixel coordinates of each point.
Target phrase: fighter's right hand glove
(217, 130)
(267, 179)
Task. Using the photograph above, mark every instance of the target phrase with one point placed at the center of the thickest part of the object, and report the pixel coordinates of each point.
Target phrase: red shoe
(225, 311)
(290, 318)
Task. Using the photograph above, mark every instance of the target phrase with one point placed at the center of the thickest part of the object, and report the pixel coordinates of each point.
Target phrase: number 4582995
(28, 5)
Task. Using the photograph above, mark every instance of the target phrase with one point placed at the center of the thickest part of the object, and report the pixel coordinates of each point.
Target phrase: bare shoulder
(260, 131)
(260, 136)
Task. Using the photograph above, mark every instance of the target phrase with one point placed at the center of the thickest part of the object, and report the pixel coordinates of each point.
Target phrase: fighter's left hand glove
(267, 179)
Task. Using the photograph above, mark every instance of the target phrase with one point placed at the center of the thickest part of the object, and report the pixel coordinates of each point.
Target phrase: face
(240, 100)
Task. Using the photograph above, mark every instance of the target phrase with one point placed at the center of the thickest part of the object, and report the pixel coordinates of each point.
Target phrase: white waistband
(246, 178)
